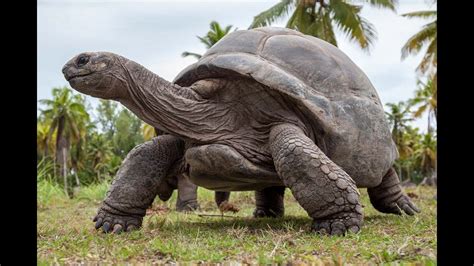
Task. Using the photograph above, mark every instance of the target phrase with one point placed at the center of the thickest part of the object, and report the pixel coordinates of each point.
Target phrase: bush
(49, 192)
(94, 192)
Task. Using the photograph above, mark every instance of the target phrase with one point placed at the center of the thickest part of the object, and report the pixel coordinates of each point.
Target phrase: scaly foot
(115, 222)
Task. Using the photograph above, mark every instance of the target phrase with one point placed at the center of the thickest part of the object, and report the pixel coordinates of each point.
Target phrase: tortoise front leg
(137, 183)
(269, 202)
(321, 187)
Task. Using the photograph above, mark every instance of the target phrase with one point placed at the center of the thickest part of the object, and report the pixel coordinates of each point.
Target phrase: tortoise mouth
(69, 78)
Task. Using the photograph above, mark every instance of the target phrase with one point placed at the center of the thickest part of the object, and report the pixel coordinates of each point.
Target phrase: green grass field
(66, 234)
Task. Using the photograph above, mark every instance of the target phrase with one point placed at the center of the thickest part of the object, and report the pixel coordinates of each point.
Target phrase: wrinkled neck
(164, 105)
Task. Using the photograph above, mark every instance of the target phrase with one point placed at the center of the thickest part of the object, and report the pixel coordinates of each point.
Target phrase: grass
(66, 234)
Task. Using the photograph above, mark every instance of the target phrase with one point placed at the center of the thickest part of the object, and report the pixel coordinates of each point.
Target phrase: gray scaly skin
(137, 183)
(389, 198)
(187, 191)
(322, 188)
(187, 196)
(225, 134)
(269, 202)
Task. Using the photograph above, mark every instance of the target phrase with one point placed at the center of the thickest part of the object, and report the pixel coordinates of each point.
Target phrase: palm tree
(426, 101)
(42, 143)
(426, 154)
(407, 162)
(398, 117)
(319, 17)
(79, 151)
(68, 118)
(427, 36)
(212, 37)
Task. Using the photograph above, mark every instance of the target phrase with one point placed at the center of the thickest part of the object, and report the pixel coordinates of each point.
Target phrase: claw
(131, 228)
(106, 227)
(407, 206)
(98, 223)
(408, 210)
(117, 229)
(413, 206)
(395, 209)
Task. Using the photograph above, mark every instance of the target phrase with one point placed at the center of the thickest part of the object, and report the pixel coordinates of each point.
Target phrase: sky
(154, 33)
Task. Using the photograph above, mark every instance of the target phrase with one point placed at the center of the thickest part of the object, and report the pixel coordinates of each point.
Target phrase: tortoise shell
(324, 83)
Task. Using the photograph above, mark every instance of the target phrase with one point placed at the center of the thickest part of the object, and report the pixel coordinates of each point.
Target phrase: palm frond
(322, 27)
(389, 4)
(430, 59)
(417, 41)
(347, 18)
(302, 20)
(421, 14)
(206, 41)
(227, 29)
(418, 113)
(186, 54)
(270, 15)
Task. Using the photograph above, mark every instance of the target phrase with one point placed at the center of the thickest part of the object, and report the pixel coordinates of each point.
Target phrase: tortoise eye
(82, 60)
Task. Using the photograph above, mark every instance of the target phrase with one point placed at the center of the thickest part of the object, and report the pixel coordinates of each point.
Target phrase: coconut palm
(68, 118)
(212, 37)
(406, 148)
(398, 117)
(426, 37)
(79, 151)
(425, 100)
(319, 18)
(426, 154)
(42, 143)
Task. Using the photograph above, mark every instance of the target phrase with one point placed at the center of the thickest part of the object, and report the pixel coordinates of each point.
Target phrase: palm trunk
(430, 129)
(408, 173)
(78, 183)
(64, 169)
(62, 145)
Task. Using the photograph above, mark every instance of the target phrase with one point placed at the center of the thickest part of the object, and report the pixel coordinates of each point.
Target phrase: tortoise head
(98, 74)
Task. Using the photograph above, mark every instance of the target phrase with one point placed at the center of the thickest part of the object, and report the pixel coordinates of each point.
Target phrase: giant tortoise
(263, 109)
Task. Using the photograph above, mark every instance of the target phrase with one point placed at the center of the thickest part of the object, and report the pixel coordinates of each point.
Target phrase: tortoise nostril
(64, 69)
(66, 76)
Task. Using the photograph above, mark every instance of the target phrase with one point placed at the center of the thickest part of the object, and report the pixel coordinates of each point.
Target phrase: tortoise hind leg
(321, 187)
(187, 195)
(269, 202)
(388, 196)
(221, 196)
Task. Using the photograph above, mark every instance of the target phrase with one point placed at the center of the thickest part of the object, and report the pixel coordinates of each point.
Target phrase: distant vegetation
(74, 150)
